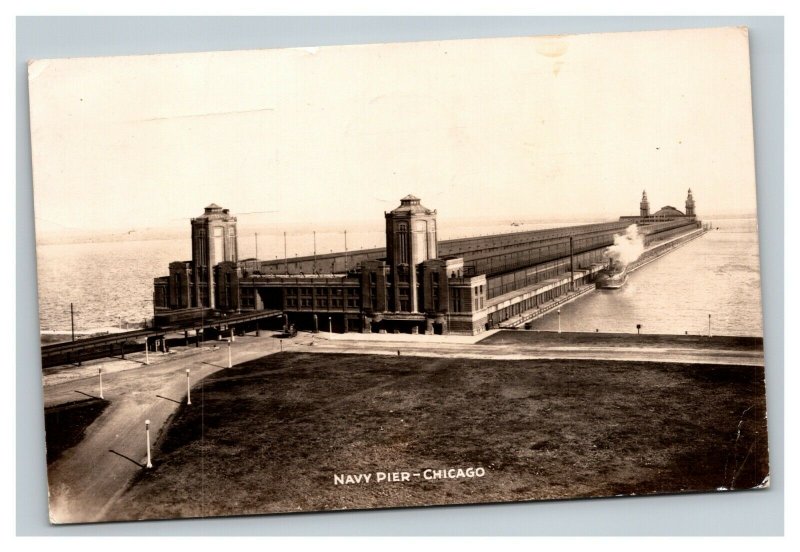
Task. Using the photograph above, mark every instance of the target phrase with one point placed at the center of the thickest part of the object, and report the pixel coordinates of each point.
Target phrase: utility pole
(72, 320)
(315, 253)
(285, 256)
(345, 250)
(256, 245)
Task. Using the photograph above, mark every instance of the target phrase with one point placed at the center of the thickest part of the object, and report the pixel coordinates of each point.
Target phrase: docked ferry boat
(613, 277)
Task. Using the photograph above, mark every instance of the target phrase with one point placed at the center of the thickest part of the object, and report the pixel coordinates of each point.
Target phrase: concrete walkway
(323, 343)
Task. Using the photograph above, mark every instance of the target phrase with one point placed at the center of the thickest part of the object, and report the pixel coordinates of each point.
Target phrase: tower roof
(214, 211)
(411, 205)
(668, 211)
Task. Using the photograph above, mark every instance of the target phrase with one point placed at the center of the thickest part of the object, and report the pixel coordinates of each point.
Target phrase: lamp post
(230, 364)
(709, 325)
(188, 389)
(144, 326)
(147, 437)
(100, 373)
(559, 320)
(330, 326)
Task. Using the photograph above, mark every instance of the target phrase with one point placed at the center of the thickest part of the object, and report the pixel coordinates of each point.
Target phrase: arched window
(402, 243)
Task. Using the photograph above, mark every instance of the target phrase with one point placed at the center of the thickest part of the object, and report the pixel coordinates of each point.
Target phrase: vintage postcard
(395, 275)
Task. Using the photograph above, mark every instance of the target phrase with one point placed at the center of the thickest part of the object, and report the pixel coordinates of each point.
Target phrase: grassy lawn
(64, 425)
(269, 435)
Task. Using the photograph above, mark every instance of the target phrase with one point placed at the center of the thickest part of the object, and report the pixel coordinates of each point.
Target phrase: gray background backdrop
(739, 513)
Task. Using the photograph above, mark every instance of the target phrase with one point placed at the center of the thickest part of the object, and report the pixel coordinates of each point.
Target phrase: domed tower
(690, 204)
(410, 240)
(644, 206)
(213, 241)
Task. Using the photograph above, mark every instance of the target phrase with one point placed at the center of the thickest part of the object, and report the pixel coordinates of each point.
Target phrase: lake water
(717, 274)
(111, 283)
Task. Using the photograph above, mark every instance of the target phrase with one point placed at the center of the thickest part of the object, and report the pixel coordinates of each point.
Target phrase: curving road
(88, 477)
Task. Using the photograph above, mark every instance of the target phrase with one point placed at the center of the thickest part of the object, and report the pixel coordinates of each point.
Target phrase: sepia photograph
(398, 275)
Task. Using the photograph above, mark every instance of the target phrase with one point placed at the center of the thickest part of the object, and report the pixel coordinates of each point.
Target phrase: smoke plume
(627, 247)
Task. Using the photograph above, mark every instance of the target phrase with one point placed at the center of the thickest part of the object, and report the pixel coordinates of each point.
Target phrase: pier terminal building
(416, 284)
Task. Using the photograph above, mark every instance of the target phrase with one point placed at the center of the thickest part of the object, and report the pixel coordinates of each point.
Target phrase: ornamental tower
(644, 206)
(410, 240)
(213, 241)
(690, 204)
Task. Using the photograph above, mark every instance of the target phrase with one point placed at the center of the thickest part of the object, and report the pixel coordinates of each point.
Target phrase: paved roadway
(90, 475)
(86, 480)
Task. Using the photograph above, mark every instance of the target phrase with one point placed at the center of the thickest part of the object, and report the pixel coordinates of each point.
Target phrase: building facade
(416, 284)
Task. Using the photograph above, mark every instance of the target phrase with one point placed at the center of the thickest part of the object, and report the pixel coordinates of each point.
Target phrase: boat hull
(611, 281)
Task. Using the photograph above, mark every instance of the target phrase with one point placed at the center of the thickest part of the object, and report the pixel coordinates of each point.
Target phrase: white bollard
(188, 389)
(100, 372)
(147, 433)
(146, 353)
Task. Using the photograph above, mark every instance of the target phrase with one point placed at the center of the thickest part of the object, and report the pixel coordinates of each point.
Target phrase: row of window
(321, 303)
(307, 291)
(527, 304)
(517, 280)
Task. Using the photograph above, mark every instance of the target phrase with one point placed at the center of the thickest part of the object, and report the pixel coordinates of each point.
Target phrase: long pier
(547, 295)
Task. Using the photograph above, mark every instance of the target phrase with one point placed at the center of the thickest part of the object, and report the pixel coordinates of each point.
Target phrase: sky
(531, 128)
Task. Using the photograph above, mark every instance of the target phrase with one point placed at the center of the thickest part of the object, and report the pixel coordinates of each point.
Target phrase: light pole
(709, 325)
(330, 326)
(146, 351)
(147, 437)
(188, 389)
(559, 320)
(230, 364)
(100, 373)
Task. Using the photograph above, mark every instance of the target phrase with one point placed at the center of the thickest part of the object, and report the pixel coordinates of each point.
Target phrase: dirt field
(271, 434)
